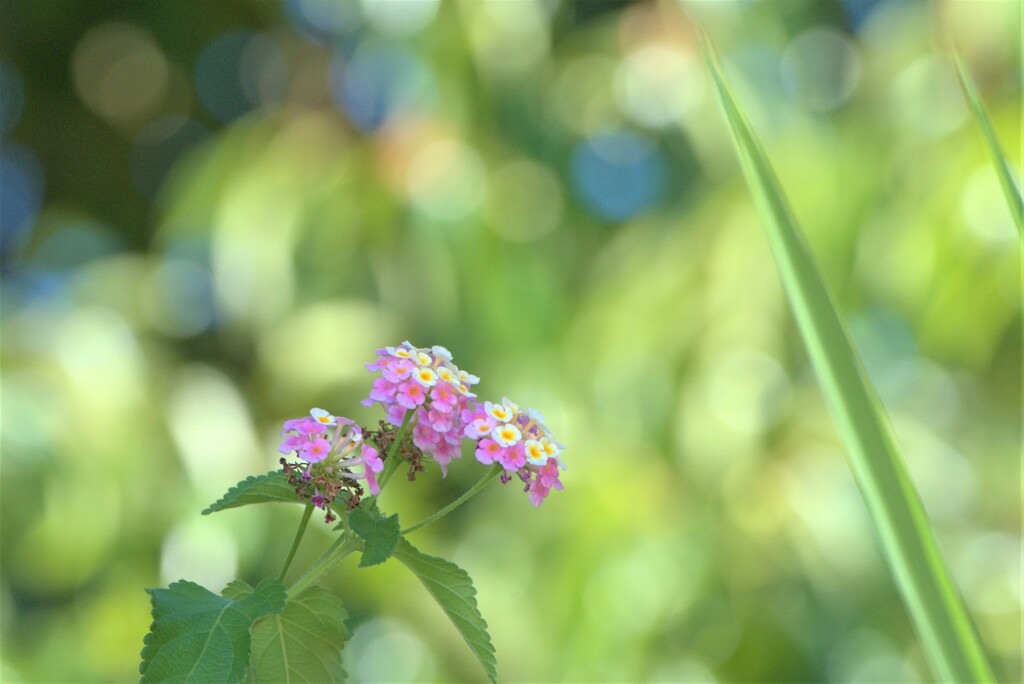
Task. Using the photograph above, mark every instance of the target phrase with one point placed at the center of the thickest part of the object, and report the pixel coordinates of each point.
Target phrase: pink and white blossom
(521, 442)
(426, 382)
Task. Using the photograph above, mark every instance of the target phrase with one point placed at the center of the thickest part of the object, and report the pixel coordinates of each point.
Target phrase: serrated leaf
(454, 592)
(198, 636)
(379, 534)
(908, 541)
(304, 642)
(236, 590)
(256, 489)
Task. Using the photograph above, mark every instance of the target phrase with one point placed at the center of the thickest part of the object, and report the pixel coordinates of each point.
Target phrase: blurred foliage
(212, 213)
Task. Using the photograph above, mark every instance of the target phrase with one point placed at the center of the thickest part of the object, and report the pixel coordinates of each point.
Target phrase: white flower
(551, 449)
(500, 413)
(506, 435)
(400, 352)
(535, 453)
(425, 377)
(323, 417)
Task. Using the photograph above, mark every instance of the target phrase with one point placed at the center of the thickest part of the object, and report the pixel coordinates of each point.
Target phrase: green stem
(391, 462)
(298, 538)
(343, 546)
(495, 470)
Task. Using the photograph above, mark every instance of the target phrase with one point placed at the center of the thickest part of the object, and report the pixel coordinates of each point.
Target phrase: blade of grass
(908, 542)
(1006, 177)
(1015, 203)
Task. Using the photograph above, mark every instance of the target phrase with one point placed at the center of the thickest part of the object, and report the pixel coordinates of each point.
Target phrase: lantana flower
(519, 440)
(427, 382)
(334, 461)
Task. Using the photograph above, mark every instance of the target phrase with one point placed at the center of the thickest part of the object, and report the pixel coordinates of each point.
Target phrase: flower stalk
(391, 462)
(344, 545)
(495, 470)
(298, 538)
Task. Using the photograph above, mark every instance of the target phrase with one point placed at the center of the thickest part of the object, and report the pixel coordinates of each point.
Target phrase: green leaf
(939, 614)
(304, 642)
(379, 534)
(453, 590)
(236, 590)
(197, 636)
(256, 489)
(1003, 169)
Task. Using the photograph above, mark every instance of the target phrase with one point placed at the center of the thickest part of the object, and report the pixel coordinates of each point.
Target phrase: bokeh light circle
(656, 84)
(178, 298)
(374, 646)
(21, 192)
(238, 72)
(320, 20)
(446, 179)
(380, 81)
(927, 98)
(820, 69)
(526, 201)
(617, 174)
(509, 37)
(120, 73)
(398, 17)
(983, 208)
(582, 95)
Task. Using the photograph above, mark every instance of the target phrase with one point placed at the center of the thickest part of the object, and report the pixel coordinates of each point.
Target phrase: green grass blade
(1006, 177)
(908, 542)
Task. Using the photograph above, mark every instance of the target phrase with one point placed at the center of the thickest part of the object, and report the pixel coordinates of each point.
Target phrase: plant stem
(391, 462)
(298, 538)
(343, 546)
(472, 491)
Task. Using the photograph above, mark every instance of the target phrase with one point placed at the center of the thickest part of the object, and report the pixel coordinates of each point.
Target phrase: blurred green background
(213, 213)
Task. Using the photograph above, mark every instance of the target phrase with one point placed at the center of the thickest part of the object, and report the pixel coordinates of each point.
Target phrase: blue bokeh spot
(618, 174)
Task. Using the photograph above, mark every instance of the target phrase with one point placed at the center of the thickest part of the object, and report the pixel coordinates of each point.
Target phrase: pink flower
(424, 436)
(410, 395)
(512, 458)
(315, 450)
(373, 465)
(382, 391)
(396, 414)
(305, 425)
(311, 427)
(546, 479)
(398, 370)
(438, 420)
(519, 440)
(443, 453)
(292, 443)
(332, 464)
(479, 423)
(487, 450)
(444, 397)
(426, 381)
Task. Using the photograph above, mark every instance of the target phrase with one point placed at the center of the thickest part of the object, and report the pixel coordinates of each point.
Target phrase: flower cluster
(519, 440)
(422, 390)
(332, 448)
(427, 383)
